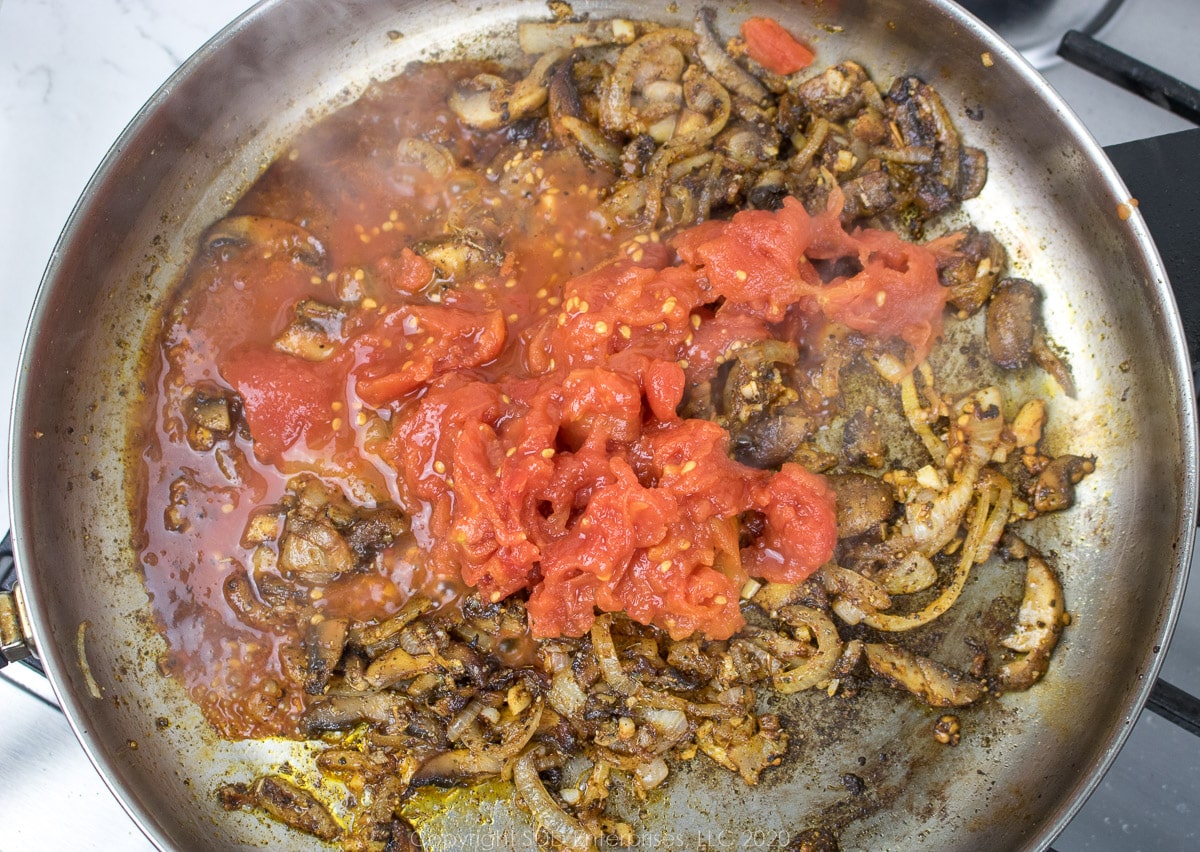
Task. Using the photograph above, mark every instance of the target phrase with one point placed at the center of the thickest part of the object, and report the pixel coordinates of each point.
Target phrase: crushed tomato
(527, 419)
(575, 479)
(773, 47)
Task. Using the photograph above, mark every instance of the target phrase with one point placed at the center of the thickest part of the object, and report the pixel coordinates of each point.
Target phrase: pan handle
(1170, 215)
(1131, 74)
(16, 640)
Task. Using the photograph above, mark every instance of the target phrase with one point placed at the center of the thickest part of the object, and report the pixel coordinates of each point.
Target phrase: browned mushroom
(1012, 317)
(1055, 486)
(314, 333)
(461, 256)
(209, 413)
(835, 93)
(324, 644)
(341, 712)
(862, 439)
(285, 802)
(864, 503)
(1040, 621)
(971, 268)
(267, 235)
(932, 682)
(313, 547)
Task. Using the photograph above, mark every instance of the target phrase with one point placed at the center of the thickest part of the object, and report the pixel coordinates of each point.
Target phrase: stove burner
(1035, 27)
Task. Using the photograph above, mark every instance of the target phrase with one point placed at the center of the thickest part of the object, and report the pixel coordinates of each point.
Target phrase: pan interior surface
(1025, 761)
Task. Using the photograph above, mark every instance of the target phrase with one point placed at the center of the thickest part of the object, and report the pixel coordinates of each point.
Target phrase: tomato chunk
(285, 400)
(801, 529)
(443, 338)
(773, 47)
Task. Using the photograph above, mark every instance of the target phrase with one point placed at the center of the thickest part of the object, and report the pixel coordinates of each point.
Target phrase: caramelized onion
(554, 820)
(606, 656)
(565, 696)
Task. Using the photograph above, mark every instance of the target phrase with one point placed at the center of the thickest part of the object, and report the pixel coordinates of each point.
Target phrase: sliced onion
(918, 419)
(463, 720)
(616, 109)
(914, 573)
(998, 519)
(948, 595)
(565, 696)
(606, 656)
(650, 775)
(519, 733)
(545, 811)
(819, 667)
(721, 65)
(670, 728)
(591, 140)
(671, 724)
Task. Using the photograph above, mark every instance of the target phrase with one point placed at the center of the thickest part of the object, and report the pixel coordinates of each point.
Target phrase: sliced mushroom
(1012, 318)
(313, 547)
(836, 93)
(1046, 358)
(1015, 334)
(286, 802)
(239, 593)
(324, 643)
(971, 269)
(342, 712)
(769, 190)
(935, 684)
(862, 439)
(918, 112)
(567, 118)
(973, 172)
(462, 256)
(267, 235)
(864, 503)
(382, 636)
(1040, 622)
(315, 332)
(372, 530)
(434, 159)
(487, 102)
(398, 665)
(866, 195)
(458, 767)
(209, 414)
(1055, 486)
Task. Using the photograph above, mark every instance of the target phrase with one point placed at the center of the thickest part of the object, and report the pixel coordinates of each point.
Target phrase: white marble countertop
(74, 72)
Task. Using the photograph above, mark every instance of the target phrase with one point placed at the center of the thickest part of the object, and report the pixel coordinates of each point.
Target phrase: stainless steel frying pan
(1026, 762)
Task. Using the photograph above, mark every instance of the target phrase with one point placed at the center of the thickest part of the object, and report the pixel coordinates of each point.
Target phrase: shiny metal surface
(1049, 196)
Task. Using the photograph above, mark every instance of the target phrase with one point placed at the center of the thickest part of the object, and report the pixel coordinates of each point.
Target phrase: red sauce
(525, 419)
